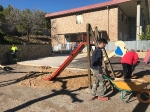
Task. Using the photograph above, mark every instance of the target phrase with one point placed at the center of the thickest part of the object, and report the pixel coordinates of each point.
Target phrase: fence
(136, 45)
(63, 47)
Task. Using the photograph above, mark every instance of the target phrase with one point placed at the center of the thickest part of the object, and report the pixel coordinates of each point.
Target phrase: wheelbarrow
(131, 87)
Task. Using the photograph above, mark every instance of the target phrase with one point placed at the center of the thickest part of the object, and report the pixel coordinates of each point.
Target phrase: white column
(141, 21)
(138, 17)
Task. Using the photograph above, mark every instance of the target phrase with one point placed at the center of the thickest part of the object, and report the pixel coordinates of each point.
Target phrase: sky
(48, 6)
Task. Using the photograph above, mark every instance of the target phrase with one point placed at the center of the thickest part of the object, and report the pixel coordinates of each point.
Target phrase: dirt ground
(22, 89)
(75, 79)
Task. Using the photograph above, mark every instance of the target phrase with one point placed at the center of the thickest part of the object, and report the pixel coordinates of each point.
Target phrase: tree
(26, 21)
(21, 21)
(145, 36)
(2, 17)
(33, 21)
(7, 10)
(9, 26)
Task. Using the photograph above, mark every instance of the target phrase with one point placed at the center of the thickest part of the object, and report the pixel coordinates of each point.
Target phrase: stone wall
(26, 52)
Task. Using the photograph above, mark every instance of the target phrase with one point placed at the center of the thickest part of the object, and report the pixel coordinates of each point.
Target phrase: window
(126, 19)
(79, 19)
(125, 37)
(121, 15)
(120, 36)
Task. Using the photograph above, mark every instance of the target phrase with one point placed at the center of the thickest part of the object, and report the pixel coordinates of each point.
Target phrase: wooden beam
(88, 54)
(111, 69)
(96, 35)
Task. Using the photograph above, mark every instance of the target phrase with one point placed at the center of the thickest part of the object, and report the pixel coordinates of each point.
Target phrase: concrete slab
(55, 61)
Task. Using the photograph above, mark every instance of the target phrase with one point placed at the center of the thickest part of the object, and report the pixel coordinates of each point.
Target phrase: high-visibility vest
(14, 48)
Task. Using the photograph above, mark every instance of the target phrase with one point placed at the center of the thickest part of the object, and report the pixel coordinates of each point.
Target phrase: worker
(14, 50)
(96, 68)
(129, 60)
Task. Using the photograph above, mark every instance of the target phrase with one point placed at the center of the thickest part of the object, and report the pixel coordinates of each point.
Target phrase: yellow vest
(14, 48)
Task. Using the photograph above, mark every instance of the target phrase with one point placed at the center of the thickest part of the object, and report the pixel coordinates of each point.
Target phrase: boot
(103, 98)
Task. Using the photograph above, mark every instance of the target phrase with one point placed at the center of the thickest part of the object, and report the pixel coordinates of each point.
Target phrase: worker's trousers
(98, 85)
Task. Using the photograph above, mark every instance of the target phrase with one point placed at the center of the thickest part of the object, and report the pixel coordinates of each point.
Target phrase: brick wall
(98, 18)
(26, 52)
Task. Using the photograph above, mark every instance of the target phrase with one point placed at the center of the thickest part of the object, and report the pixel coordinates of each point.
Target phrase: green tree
(7, 10)
(145, 36)
(1, 8)
(9, 26)
(142, 36)
(26, 20)
(2, 18)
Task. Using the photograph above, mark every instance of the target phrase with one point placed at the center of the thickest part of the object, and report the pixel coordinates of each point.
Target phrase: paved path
(79, 62)
(54, 61)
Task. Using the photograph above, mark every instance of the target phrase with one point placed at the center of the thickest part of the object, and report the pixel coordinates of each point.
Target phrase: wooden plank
(111, 69)
(88, 54)
(96, 35)
(105, 70)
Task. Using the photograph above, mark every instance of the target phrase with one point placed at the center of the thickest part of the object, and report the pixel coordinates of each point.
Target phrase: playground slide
(67, 61)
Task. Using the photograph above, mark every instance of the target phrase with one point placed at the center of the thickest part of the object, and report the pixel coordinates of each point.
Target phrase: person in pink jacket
(128, 61)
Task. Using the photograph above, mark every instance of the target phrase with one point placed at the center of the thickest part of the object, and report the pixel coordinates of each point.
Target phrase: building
(118, 19)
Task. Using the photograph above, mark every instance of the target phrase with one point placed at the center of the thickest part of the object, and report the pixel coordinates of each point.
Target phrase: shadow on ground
(55, 93)
(140, 107)
(141, 74)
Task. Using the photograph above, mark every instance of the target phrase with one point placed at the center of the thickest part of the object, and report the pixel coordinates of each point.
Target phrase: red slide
(67, 61)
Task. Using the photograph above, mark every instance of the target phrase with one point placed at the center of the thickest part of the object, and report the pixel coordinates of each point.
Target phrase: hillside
(24, 39)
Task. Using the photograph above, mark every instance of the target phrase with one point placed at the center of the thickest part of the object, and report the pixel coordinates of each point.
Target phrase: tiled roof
(86, 8)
